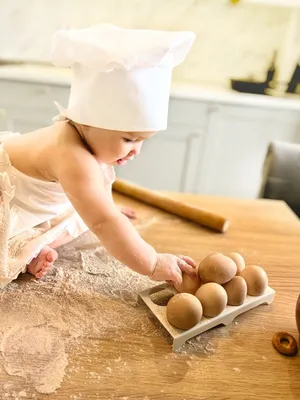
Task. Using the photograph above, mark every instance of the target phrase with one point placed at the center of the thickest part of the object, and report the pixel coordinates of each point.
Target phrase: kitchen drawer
(23, 120)
(188, 112)
(169, 161)
(35, 96)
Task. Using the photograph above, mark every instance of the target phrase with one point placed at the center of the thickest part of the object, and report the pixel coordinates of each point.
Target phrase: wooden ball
(213, 298)
(188, 285)
(239, 260)
(236, 290)
(256, 279)
(184, 311)
(217, 268)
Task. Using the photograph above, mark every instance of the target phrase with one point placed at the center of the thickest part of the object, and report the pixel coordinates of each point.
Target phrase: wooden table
(233, 362)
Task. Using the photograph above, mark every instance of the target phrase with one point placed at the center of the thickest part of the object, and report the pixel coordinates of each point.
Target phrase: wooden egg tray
(225, 318)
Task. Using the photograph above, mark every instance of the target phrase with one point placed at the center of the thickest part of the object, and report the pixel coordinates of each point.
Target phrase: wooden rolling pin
(189, 212)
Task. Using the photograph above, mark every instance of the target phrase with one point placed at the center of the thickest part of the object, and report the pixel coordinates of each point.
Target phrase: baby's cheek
(124, 150)
(118, 152)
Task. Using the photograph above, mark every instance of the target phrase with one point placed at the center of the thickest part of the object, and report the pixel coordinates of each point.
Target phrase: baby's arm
(128, 212)
(83, 182)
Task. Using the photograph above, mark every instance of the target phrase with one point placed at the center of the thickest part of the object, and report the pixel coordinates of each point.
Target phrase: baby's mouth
(123, 161)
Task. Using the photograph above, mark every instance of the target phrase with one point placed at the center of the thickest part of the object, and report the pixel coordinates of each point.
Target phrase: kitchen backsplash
(232, 41)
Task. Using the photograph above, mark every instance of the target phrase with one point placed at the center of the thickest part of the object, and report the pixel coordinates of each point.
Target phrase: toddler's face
(114, 147)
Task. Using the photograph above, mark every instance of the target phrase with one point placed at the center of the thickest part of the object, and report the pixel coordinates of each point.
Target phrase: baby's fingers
(188, 260)
(174, 275)
(187, 268)
(177, 277)
(128, 212)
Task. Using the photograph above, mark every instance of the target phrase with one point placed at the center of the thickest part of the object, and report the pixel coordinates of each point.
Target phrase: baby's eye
(128, 140)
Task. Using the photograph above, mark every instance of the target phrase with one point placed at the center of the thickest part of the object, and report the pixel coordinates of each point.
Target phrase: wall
(232, 41)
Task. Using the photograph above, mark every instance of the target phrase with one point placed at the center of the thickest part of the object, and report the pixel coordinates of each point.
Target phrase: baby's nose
(136, 150)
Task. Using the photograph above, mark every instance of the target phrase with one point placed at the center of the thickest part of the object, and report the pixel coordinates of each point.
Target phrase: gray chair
(281, 174)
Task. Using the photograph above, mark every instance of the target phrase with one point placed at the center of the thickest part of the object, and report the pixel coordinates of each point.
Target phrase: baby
(56, 182)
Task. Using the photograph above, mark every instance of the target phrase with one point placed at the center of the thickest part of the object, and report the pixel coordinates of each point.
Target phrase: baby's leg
(44, 260)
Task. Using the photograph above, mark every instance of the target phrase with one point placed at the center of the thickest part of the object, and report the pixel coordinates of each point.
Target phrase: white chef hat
(121, 77)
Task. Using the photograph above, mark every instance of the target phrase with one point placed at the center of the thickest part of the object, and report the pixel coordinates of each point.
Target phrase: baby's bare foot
(39, 265)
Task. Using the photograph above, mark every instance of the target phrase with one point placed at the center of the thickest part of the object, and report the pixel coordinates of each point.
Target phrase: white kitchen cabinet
(169, 161)
(30, 105)
(215, 144)
(236, 146)
(24, 120)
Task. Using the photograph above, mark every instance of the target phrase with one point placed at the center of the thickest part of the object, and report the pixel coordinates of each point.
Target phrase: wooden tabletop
(232, 362)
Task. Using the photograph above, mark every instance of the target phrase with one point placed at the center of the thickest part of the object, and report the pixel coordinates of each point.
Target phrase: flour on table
(42, 353)
(82, 296)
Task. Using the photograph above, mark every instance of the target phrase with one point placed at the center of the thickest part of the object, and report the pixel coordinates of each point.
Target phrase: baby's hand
(128, 212)
(170, 267)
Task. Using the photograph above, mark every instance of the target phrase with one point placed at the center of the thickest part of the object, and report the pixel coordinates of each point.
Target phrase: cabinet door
(171, 160)
(32, 95)
(26, 120)
(237, 142)
(29, 106)
(5, 121)
(168, 161)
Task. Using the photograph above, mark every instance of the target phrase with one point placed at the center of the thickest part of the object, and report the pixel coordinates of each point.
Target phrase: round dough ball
(239, 260)
(236, 290)
(256, 279)
(217, 268)
(184, 311)
(188, 285)
(213, 298)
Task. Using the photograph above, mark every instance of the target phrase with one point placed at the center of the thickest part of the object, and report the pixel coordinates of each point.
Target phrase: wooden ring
(285, 344)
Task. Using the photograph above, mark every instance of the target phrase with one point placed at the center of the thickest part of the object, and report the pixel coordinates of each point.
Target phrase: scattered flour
(238, 370)
(82, 296)
(42, 354)
(42, 320)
